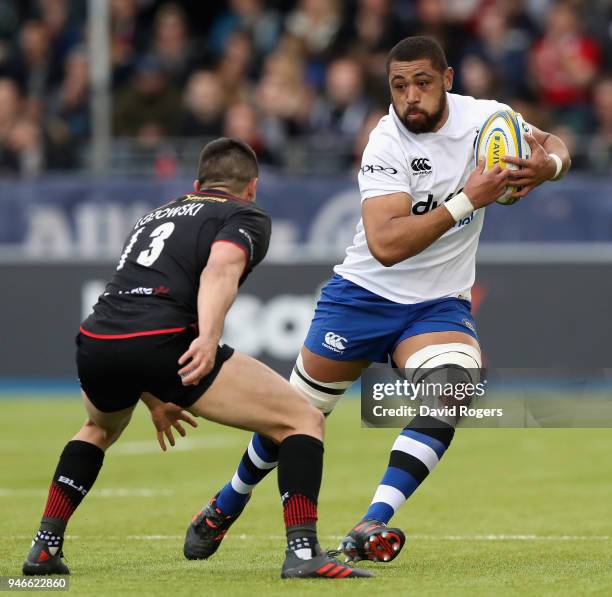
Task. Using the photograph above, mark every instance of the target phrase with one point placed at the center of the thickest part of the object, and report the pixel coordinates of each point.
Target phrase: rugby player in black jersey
(154, 334)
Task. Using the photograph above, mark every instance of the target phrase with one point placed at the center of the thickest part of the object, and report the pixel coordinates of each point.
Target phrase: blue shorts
(352, 323)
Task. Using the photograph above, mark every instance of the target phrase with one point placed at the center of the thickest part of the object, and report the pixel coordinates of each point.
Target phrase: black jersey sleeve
(250, 229)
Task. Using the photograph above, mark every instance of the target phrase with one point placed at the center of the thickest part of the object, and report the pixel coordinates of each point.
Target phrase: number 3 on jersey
(159, 235)
(150, 255)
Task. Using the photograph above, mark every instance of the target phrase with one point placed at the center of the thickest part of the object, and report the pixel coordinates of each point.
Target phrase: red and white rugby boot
(372, 540)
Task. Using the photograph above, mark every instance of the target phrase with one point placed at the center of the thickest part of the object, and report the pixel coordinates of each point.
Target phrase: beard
(428, 122)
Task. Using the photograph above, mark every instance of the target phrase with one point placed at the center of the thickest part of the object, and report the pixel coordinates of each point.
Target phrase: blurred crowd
(302, 81)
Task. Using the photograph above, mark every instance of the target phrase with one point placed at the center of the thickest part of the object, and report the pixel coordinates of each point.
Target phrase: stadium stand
(303, 81)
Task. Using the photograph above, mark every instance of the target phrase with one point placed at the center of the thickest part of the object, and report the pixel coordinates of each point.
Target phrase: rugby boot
(322, 565)
(44, 558)
(372, 540)
(206, 531)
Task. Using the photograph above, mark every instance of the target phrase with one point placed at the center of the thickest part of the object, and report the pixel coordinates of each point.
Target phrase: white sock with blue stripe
(415, 453)
(259, 459)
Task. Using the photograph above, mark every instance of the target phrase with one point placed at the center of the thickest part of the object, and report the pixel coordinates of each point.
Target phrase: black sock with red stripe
(76, 472)
(300, 467)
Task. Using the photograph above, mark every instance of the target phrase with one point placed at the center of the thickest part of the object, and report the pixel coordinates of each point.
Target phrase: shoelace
(334, 553)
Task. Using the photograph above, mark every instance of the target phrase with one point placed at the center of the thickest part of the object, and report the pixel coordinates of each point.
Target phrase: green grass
(508, 512)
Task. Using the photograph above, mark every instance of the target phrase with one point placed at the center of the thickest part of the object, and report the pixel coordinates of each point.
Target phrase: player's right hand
(197, 361)
(167, 415)
(484, 187)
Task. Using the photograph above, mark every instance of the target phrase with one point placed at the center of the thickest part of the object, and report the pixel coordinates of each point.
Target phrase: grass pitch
(507, 512)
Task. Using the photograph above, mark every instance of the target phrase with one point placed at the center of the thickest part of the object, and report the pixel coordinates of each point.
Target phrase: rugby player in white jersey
(403, 290)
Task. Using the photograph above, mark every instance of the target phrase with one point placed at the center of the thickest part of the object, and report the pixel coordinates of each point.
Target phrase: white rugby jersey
(430, 167)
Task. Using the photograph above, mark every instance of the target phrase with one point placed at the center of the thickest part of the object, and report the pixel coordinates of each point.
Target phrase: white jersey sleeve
(383, 171)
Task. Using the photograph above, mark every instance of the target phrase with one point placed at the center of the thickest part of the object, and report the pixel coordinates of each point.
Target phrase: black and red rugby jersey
(155, 286)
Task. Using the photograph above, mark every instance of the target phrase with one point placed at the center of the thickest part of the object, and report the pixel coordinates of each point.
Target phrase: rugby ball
(502, 134)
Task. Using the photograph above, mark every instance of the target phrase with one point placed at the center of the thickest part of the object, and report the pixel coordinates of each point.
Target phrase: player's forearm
(552, 144)
(218, 289)
(405, 236)
(150, 401)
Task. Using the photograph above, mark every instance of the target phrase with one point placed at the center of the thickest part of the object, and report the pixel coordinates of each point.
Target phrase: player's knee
(102, 436)
(302, 418)
(94, 433)
(445, 372)
(463, 358)
(323, 395)
(312, 422)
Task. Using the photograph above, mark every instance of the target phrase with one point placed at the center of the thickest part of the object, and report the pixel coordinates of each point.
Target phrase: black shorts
(114, 373)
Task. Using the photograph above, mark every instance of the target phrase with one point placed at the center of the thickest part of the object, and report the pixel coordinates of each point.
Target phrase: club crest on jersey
(468, 324)
(335, 342)
(420, 166)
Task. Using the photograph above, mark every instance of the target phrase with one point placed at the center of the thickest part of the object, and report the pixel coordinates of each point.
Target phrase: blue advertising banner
(76, 216)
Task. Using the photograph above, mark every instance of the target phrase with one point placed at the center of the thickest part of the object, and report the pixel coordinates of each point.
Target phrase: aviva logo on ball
(502, 134)
(496, 149)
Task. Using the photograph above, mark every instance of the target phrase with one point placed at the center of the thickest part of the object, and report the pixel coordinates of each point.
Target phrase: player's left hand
(539, 168)
(198, 360)
(166, 416)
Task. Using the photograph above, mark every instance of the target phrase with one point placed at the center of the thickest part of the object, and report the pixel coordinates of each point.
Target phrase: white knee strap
(323, 395)
(437, 355)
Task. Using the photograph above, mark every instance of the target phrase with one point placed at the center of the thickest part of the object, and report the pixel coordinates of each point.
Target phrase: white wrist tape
(460, 207)
(558, 163)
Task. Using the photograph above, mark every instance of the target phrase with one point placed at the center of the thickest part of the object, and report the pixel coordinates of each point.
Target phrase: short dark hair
(418, 47)
(229, 162)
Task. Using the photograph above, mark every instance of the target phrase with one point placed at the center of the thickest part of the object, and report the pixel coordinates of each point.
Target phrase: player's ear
(251, 189)
(196, 185)
(448, 76)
